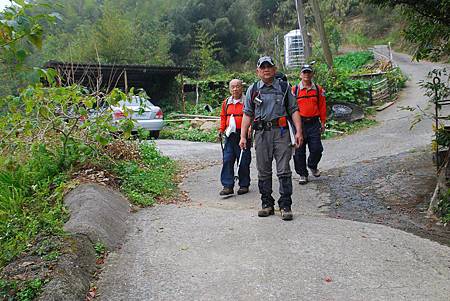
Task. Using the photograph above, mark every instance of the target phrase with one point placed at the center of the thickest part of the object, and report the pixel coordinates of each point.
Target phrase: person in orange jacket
(312, 106)
(232, 108)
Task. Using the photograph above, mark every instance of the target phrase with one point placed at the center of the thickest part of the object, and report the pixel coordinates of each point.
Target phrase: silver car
(147, 115)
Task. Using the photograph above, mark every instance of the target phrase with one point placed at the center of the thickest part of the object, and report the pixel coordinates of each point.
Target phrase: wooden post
(126, 81)
(302, 26)
(322, 34)
(196, 94)
(183, 96)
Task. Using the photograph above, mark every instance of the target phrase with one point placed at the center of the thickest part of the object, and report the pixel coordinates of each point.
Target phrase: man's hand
(298, 139)
(322, 128)
(249, 132)
(220, 135)
(243, 143)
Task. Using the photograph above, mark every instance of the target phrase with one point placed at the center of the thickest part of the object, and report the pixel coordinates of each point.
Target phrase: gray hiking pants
(272, 144)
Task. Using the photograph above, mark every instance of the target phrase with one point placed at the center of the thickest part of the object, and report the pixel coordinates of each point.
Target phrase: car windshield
(136, 101)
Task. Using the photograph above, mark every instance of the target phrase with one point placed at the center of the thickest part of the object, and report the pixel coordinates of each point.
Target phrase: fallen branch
(192, 119)
(195, 116)
(334, 131)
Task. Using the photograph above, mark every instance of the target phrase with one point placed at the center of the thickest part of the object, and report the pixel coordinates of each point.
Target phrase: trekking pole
(221, 143)
(236, 174)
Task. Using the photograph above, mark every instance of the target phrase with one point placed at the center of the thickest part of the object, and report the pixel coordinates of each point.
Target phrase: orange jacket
(229, 109)
(308, 103)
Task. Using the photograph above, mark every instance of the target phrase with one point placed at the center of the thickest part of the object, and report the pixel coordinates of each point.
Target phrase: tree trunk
(322, 34)
(302, 26)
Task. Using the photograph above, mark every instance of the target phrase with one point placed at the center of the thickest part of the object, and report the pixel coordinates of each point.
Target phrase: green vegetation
(148, 178)
(189, 134)
(443, 207)
(25, 290)
(427, 26)
(215, 36)
(100, 249)
(45, 138)
(339, 84)
(48, 133)
(352, 62)
(346, 127)
(30, 201)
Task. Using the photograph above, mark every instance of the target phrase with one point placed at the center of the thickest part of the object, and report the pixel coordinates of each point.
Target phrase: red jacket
(228, 109)
(309, 105)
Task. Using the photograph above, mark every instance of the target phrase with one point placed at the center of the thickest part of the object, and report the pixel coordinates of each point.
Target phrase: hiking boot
(286, 214)
(264, 212)
(242, 190)
(315, 172)
(303, 180)
(226, 191)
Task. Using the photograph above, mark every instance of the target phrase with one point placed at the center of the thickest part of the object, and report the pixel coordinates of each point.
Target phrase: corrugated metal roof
(130, 68)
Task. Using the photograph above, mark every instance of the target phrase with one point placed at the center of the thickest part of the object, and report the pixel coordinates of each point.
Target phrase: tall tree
(428, 26)
(323, 37)
(303, 27)
(227, 20)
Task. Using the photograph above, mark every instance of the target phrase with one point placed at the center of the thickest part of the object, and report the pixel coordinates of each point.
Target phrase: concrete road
(218, 249)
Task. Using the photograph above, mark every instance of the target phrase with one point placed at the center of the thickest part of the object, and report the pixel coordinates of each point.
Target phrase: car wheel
(154, 134)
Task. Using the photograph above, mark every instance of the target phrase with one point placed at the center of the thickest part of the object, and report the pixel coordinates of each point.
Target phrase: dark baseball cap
(307, 67)
(265, 59)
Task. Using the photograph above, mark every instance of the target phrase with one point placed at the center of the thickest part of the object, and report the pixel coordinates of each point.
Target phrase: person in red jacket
(232, 108)
(312, 106)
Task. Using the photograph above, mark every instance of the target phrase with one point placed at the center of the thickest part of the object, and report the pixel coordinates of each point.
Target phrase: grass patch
(350, 62)
(30, 202)
(145, 180)
(189, 134)
(23, 290)
(443, 207)
(347, 127)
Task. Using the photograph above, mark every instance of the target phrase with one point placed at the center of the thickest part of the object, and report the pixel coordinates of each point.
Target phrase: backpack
(317, 93)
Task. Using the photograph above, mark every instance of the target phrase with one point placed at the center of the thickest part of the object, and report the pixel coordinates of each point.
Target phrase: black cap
(265, 59)
(307, 67)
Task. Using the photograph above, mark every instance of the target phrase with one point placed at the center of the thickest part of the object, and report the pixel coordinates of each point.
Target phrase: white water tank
(294, 54)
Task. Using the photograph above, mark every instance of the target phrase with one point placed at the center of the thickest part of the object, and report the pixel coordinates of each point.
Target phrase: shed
(158, 81)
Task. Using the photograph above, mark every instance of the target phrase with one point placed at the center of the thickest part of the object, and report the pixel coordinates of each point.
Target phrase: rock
(72, 273)
(98, 212)
(197, 123)
(210, 125)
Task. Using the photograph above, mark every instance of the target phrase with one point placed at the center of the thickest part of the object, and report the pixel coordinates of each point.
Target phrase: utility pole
(302, 26)
(322, 34)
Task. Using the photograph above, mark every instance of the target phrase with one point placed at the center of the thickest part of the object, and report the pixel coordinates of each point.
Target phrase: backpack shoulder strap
(225, 105)
(296, 90)
(317, 94)
(285, 87)
(254, 91)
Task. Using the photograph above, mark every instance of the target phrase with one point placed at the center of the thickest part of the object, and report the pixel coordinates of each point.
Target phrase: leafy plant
(20, 29)
(189, 134)
(205, 52)
(352, 61)
(147, 180)
(346, 127)
(443, 207)
(100, 249)
(20, 291)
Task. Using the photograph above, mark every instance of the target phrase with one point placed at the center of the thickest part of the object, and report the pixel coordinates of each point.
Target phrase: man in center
(269, 104)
